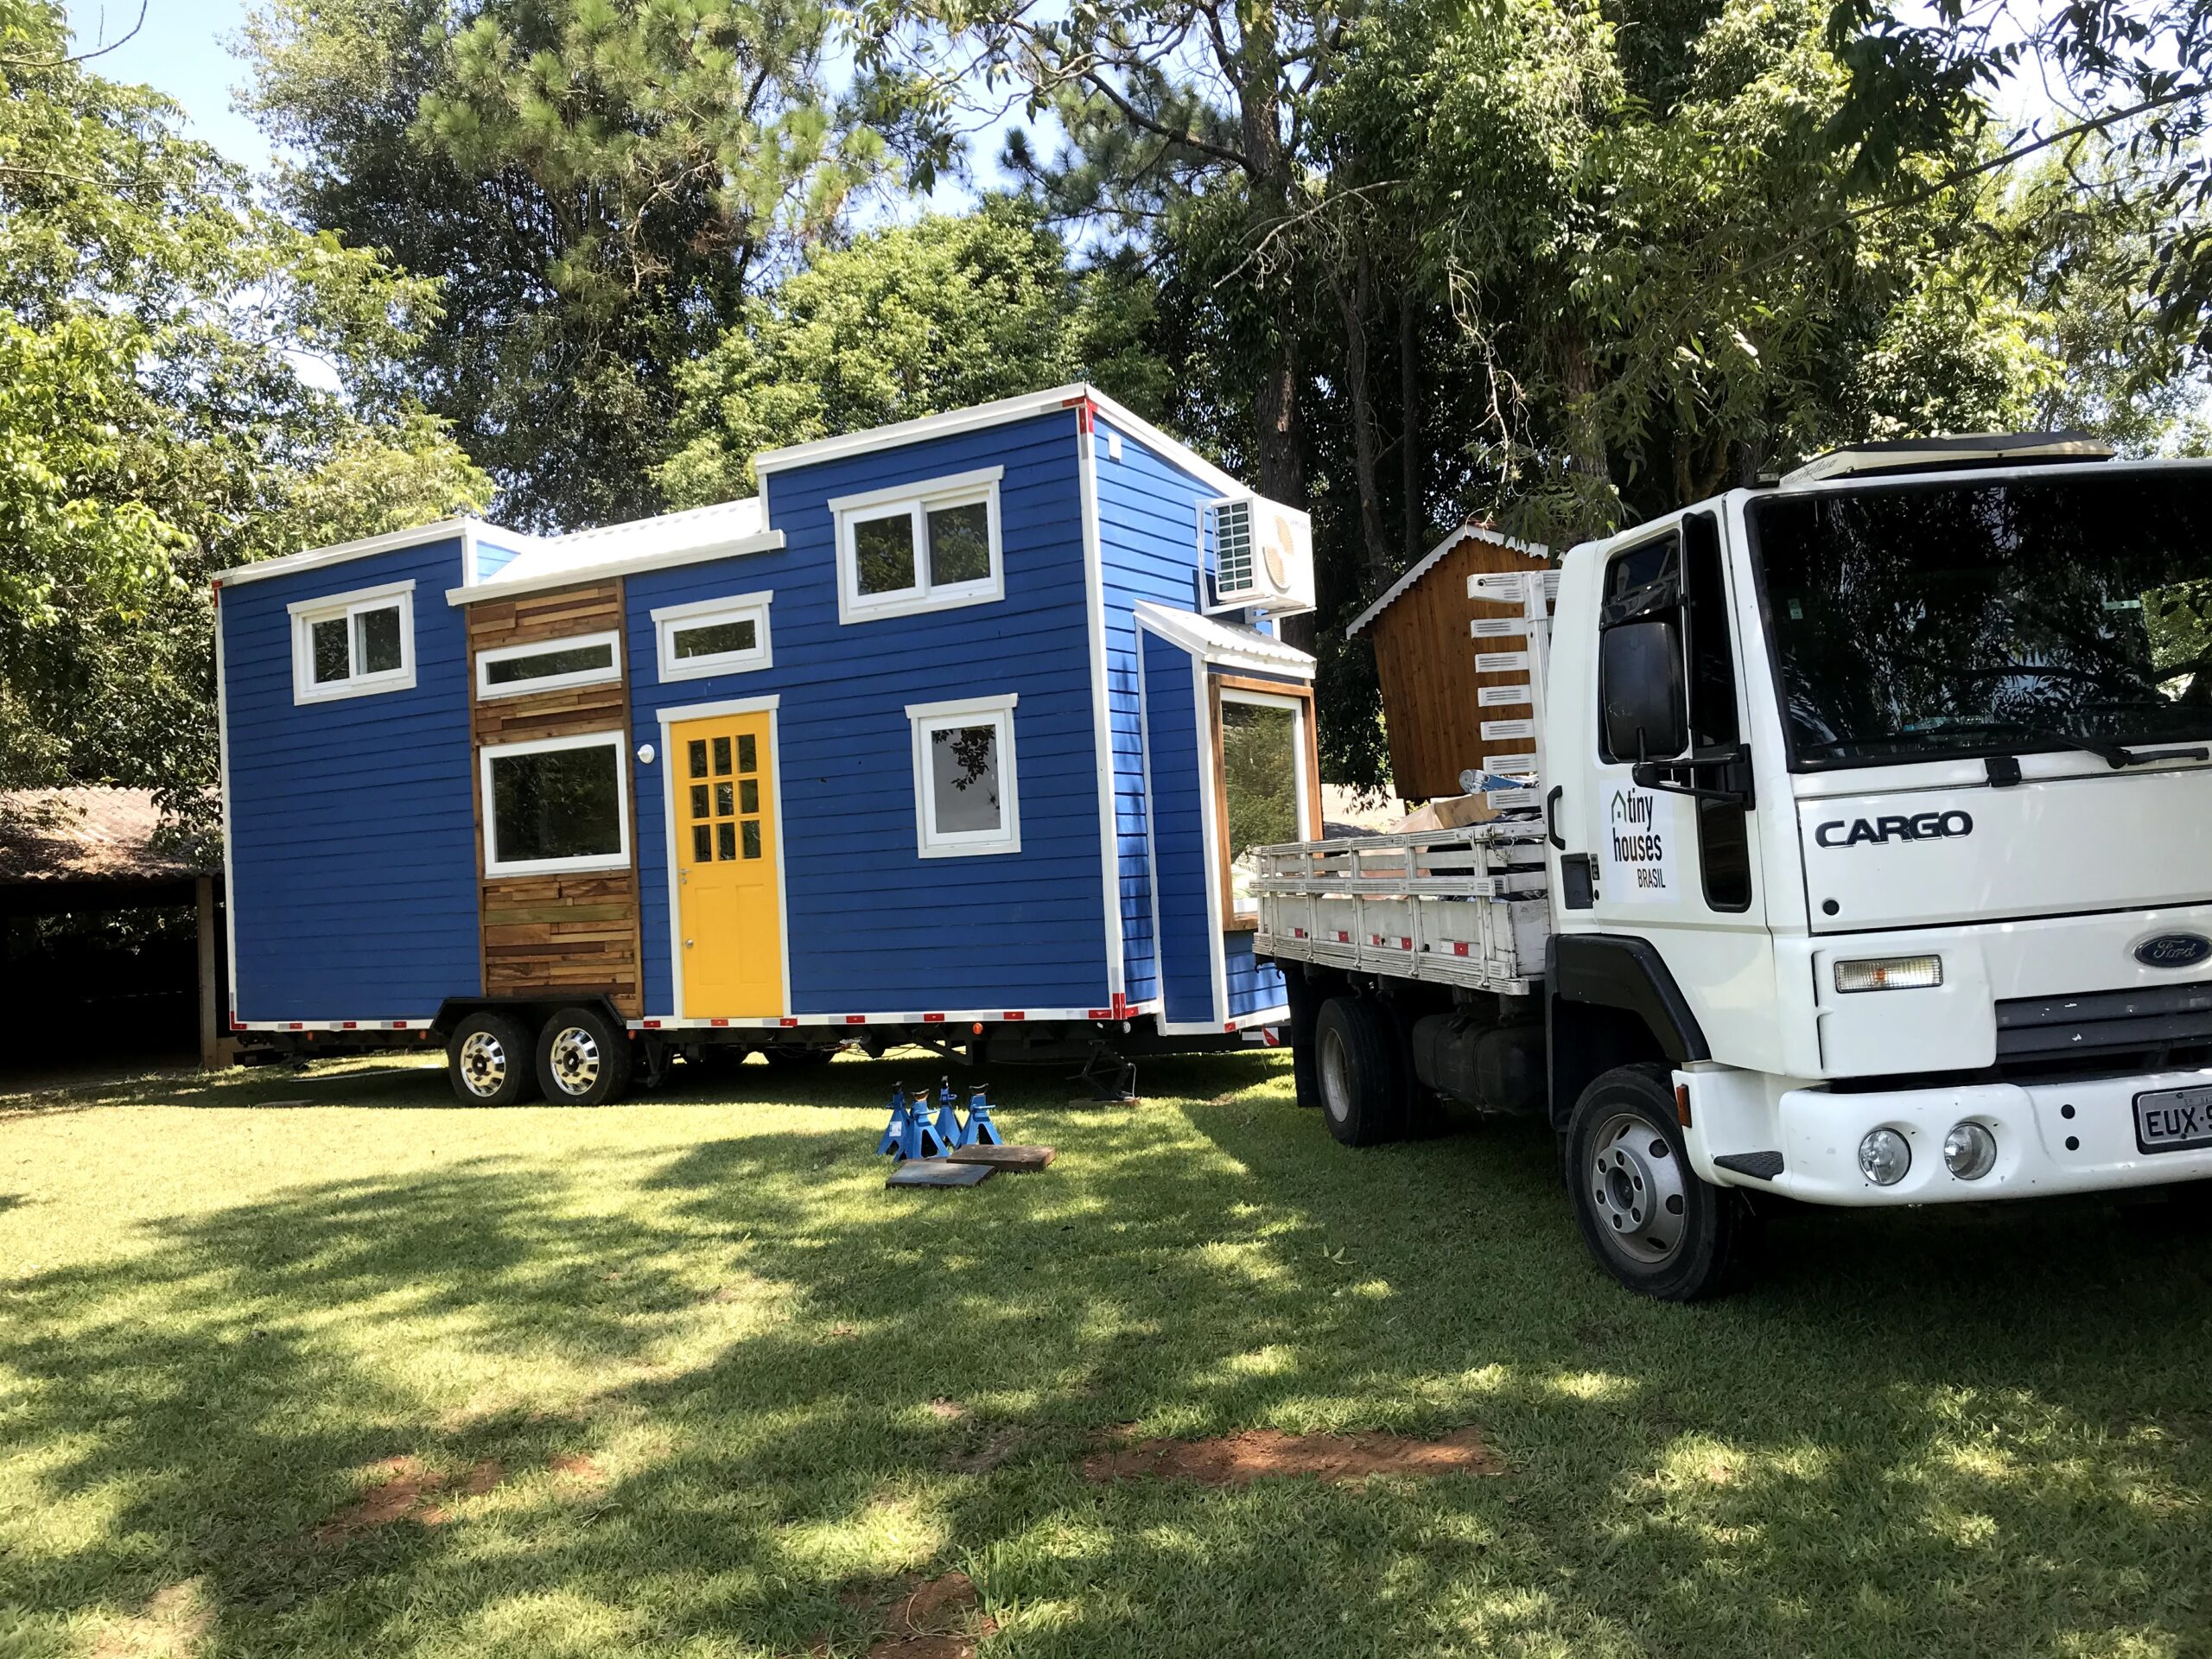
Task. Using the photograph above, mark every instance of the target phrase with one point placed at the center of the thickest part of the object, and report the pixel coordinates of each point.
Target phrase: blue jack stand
(910, 1134)
(981, 1131)
(948, 1116)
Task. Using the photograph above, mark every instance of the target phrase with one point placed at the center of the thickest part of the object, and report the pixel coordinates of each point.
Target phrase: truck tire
(488, 1060)
(1645, 1213)
(1360, 1072)
(583, 1059)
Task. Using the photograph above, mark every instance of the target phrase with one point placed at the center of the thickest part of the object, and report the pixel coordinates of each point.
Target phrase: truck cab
(1876, 811)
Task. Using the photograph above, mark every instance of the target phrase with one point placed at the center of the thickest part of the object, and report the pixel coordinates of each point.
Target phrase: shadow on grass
(1962, 1432)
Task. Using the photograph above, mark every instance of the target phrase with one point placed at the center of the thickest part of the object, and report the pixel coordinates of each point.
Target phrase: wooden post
(210, 1048)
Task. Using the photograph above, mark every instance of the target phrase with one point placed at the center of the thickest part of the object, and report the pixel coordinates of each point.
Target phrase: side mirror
(1641, 691)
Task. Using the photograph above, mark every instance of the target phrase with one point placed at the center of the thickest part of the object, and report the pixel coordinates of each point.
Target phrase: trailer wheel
(488, 1060)
(1360, 1073)
(583, 1059)
(1645, 1214)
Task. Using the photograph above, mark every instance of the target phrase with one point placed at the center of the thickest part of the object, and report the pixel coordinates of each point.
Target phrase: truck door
(1676, 868)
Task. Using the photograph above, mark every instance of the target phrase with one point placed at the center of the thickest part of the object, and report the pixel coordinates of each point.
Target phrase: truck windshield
(1915, 621)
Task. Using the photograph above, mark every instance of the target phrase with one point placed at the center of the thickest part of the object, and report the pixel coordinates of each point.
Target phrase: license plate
(2173, 1120)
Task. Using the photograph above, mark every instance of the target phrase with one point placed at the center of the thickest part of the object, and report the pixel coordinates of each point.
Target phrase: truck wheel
(1357, 1065)
(1645, 1213)
(488, 1061)
(583, 1059)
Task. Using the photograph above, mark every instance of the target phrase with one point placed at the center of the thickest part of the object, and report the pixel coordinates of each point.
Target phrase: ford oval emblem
(2173, 951)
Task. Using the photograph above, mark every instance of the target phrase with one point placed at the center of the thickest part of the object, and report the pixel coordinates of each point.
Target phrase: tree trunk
(1367, 459)
(1410, 457)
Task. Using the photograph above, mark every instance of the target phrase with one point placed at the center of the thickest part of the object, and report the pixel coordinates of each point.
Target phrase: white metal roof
(1211, 639)
(1469, 532)
(546, 560)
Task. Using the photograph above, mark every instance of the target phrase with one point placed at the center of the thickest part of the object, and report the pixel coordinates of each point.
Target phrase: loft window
(558, 803)
(966, 801)
(919, 547)
(548, 665)
(352, 644)
(1260, 745)
(714, 636)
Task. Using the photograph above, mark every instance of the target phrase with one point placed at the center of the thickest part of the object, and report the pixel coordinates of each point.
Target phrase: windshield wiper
(2111, 754)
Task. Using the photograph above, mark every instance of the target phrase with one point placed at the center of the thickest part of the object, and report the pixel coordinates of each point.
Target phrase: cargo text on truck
(1862, 859)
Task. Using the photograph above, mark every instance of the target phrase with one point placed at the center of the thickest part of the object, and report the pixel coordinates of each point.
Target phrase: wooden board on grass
(1021, 1159)
(937, 1172)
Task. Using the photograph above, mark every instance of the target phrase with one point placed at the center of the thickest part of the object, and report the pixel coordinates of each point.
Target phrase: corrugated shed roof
(1467, 533)
(84, 835)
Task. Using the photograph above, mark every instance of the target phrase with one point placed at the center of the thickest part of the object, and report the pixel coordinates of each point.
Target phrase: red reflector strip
(724, 1022)
(932, 1019)
(237, 1024)
(295, 1026)
(787, 1020)
(856, 1019)
(1231, 1025)
(1460, 949)
(650, 1024)
(399, 1025)
(1014, 1014)
(1102, 1013)
(1343, 938)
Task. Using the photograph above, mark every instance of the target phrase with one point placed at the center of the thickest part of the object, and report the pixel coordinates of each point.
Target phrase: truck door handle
(1551, 820)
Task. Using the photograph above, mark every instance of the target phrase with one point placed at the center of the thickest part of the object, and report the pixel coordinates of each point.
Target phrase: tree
(901, 323)
(156, 423)
(596, 184)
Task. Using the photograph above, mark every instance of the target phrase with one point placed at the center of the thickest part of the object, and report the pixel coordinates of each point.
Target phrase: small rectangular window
(714, 636)
(559, 804)
(352, 644)
(965, 797)
(927, 546)
(548, 665)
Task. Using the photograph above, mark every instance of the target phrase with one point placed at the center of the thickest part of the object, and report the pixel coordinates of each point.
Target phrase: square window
(926, 546)
(352, 644)
(705, 637)
(966, 793)
(558, 803)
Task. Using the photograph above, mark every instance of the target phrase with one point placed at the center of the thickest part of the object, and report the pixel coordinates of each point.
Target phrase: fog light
(1969, 1150)
(1889, 973)
(1884, 1157)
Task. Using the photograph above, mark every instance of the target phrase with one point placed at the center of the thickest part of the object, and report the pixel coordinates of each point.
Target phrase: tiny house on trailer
(958, 732)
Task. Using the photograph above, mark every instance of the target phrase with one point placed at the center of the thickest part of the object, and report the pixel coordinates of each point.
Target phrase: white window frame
(927, 717)
(671, 620)
(1298, 714)
(486, 690)
(493, 865)
(306, 613)
(915, 502)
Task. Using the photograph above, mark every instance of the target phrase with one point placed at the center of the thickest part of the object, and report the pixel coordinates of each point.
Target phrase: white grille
(1233, 546)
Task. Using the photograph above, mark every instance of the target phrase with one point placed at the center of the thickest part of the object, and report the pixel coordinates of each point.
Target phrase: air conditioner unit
(1262, 555)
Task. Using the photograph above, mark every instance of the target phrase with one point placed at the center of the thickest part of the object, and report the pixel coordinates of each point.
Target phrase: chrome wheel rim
(1336, 1076)
(1636, 1189)
(483, 1064)
(575, 1054)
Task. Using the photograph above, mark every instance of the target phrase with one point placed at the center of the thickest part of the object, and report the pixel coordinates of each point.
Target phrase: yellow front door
(729, 928)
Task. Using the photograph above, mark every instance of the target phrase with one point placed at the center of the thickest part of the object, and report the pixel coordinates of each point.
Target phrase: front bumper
(2076, 1135)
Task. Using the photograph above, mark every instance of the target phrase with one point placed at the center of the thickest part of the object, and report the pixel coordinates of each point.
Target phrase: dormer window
(930, 546)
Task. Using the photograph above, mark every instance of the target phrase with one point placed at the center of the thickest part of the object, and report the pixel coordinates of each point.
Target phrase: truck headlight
(1889, 973)
(1969, 1150)
(1884, 1157)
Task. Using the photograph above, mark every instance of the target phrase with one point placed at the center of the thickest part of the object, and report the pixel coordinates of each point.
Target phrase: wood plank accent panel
(1425, 662)
(556, 935)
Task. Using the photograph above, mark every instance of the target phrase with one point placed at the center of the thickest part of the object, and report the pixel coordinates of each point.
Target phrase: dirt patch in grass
(174, 1623)
(982, 1450)
(578, 1473)
(406, 1493)
(923, 1618)
(1268, 1453)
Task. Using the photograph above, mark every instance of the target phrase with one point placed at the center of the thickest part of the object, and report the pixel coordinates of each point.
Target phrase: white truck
(1865, 858)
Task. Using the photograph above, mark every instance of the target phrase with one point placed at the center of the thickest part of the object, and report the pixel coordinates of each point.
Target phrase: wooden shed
(1422, 631)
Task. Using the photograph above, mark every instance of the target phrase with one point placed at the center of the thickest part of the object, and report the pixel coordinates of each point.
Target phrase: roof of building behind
(1470, 532)
(86, 835)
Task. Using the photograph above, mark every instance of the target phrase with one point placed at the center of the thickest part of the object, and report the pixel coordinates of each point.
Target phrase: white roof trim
(389, 542)
(1464, 533)
(996, 414)
(1230, 644)
(571, 576)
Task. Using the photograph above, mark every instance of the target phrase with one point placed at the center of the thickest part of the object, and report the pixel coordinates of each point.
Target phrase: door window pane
(725, 841)
(699, 801)
(1259, 773)
(883, 553)
(698, 750)
(721, 757)
(748, 758)
(702, 844)
(748, 796)
(752, 838)
(556, 803)
(725, 801)
(960, 544)
(964, 778)
(376, 640)
(716, 638)
(331, 661)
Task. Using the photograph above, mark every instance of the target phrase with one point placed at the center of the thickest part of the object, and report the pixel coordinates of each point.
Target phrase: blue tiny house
(957, 732)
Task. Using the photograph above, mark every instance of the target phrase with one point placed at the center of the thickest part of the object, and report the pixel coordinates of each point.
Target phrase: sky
(179, 51)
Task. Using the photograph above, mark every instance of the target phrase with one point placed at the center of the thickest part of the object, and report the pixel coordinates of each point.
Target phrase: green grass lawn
(1977, 1433)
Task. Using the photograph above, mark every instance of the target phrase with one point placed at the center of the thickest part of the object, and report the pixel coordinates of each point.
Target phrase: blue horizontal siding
(1148, 533)
(352, 828)
(1253, 985)
(874, 927)
(1183, 866)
